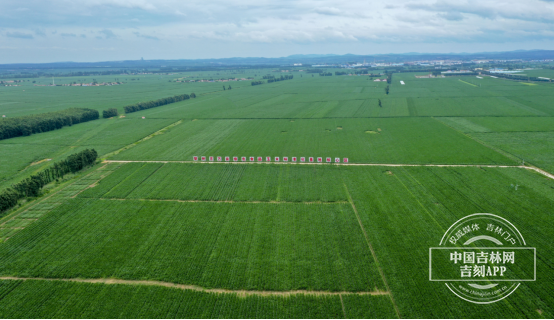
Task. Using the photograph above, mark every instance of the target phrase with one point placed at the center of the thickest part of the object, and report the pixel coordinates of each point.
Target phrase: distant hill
(306, 59)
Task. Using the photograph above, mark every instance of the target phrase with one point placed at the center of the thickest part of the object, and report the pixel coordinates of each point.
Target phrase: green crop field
(149, 233)
(22, 155)
(398, 140)
(546, 73)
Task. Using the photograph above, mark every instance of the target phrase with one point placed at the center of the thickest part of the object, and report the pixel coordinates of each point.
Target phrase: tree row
(287, 77)
(32, 186)
(27, 125)
(156, 103)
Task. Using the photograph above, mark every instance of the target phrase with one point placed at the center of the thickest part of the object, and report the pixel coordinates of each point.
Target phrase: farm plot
(401, 140)
(23, 155)
(500, 124)
(279, 228)
(541, 101)
(406, 210)
(390, 107)
(233, 246)
(223, 182)
(297, 98)
(39, 99)
(117, 132)
(532, 147)
(472, 106)
(43, 299)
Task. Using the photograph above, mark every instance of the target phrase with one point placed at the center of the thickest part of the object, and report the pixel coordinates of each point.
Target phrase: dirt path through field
(544, 173)
(229, 201)
(242, 293)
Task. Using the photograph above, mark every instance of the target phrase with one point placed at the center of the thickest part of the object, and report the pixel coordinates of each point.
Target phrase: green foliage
(255, 83)
(239, 246)
(281, 78)
(8, 199)
(23, 156)
(501, 124)
(535, 148)
(94, 300)
(152, 104)
(222, 183)
(417, 205)
(112, 112)
(396, 140)
(32, 186)
(270, 246)
(27, 125)
(276, 227)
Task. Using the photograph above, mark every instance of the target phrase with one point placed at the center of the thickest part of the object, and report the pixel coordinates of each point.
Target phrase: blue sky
(104, 30)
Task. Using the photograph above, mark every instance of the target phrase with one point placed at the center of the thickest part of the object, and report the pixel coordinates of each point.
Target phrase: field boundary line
(322, 163)
(227, 201)
(493, 148)
(140, 183)
(161, 131)
(95, 182)
(342, 304)
(64, 148)
(17, 213)
(538, 170)
(26, 207)
(372, 251)
(502, 152)
(242, 293)
(541, 171)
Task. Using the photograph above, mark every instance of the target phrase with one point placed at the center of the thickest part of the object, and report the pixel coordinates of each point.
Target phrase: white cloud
(249, 25)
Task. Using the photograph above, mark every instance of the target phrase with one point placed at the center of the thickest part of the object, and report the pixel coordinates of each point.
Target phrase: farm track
(242, 293)
(544, 173)
(228, 201)
(372, 250)
(148, 137)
